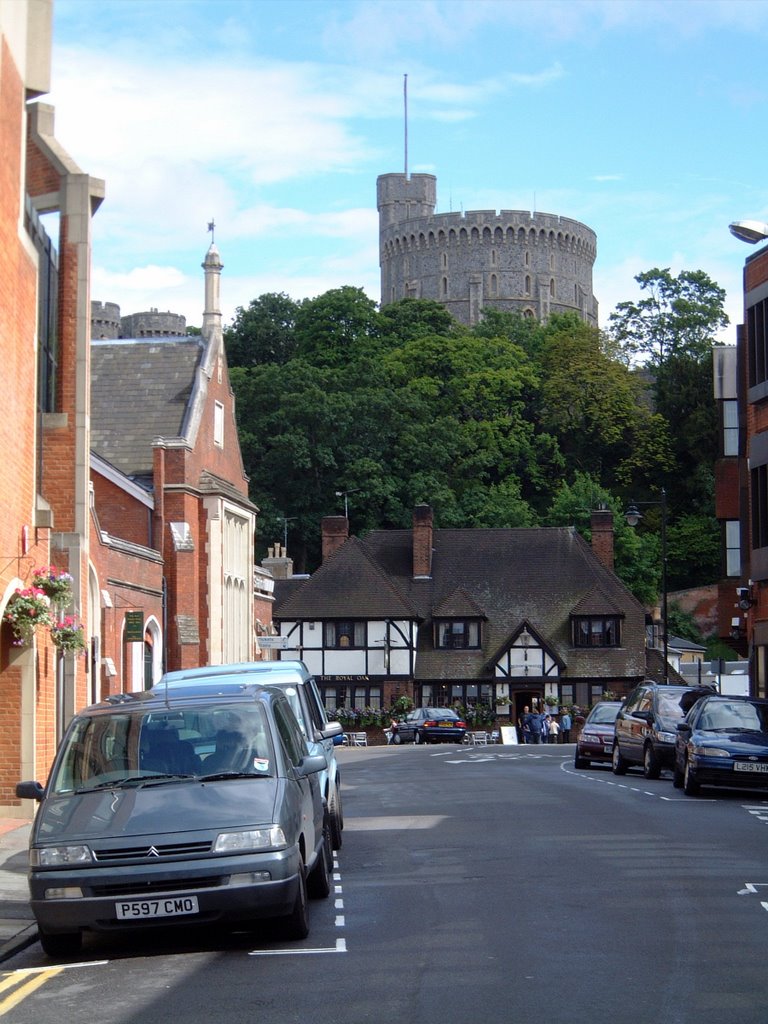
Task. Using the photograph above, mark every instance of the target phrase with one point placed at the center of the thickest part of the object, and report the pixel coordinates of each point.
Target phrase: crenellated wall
(513, 260)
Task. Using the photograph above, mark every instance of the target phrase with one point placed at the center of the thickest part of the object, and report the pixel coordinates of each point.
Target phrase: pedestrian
(565, 727)
(525, 725)
(391, 732)
(544, 728)
(534, 727)
(554, 729)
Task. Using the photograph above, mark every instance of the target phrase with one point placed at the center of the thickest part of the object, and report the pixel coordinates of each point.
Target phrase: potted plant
(67, 635)
(55, 583)
(26, 610)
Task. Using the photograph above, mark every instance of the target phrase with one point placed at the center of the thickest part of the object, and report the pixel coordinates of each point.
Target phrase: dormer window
(596, 631)
(457, 634)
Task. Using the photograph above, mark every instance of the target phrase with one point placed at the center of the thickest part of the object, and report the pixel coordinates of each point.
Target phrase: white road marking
(340, 947)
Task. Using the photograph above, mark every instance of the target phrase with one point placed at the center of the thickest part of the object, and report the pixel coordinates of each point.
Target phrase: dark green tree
(678, 315)
(336, 327)
(263, 332)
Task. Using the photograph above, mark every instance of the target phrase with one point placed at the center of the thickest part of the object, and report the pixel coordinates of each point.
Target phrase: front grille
(150, 852)
(139, 889)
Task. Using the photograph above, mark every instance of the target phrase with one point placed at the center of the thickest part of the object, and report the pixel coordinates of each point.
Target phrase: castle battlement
(534, 263)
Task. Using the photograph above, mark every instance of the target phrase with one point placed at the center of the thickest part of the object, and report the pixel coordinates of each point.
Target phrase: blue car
(723, 741)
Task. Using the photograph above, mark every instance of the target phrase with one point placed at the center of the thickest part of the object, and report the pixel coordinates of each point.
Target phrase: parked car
(295, 679)
(595, 742)
(191, 807)
(723, 741)
(645, 730)
(431, 725)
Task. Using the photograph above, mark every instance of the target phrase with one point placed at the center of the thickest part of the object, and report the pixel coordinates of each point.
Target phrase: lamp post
(633, 517)
(286, 520)
(343, 494)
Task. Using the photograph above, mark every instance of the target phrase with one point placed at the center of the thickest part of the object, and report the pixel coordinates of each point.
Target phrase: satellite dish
(751, 231)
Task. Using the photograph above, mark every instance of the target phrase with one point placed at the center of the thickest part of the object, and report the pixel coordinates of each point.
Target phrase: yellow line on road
(23, 988)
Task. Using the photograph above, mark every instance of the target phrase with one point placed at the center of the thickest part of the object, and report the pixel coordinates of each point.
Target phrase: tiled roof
(507, 575)
(350, 584)
(140, 390)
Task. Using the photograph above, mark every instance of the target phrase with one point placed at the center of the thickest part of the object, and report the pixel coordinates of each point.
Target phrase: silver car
(295, 679)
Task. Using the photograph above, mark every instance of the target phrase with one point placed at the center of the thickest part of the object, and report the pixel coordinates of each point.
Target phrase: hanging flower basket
(67, 635)
(55, 583)
(26, 610)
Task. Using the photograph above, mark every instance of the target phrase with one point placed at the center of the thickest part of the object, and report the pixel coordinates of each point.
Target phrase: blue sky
(643, 119)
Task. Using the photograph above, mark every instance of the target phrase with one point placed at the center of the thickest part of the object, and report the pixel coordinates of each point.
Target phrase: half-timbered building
(502, 617)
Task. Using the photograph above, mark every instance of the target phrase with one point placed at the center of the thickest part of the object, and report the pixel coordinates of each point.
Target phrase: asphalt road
(474, 885)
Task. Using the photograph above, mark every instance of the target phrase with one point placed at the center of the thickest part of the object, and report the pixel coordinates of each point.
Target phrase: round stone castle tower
(532, 263)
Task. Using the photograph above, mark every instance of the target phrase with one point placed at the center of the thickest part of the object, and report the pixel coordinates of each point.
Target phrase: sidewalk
(17, 923)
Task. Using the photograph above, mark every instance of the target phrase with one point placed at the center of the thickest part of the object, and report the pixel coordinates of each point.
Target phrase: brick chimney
(335, 532)
(422, 541)
(602, 535)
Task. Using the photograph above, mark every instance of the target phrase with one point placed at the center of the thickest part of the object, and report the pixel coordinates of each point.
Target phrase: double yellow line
(23, 983)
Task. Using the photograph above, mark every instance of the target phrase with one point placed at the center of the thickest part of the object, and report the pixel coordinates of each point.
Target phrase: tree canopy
(509, 423)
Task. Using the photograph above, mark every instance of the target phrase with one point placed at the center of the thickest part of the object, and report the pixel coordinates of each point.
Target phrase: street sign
(275, 642)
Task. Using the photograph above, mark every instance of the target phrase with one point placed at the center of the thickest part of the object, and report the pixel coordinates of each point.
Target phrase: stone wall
(512, 260)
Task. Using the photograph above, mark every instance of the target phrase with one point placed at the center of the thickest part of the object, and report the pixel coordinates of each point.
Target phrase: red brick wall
(120, 514)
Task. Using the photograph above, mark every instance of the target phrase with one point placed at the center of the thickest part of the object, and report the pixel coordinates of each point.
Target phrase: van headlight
(272, 838)
(59, 856)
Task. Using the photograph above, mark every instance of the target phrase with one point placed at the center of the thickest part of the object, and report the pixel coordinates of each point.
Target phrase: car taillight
(430, 725)
(460, 724)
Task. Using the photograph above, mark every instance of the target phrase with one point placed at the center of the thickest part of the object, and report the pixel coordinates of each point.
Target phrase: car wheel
(690, 785)
(336, 817)
(319, 878)
(618, 764)
(296, 924)
(57, 944)
(397, 738)
(580, 762)
(651, 766)
(417, 738)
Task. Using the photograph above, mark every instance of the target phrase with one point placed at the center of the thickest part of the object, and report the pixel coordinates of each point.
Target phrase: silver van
(298, 683)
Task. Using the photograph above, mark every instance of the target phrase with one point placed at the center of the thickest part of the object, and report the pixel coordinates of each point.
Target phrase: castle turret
(400, 198)
(531, 263)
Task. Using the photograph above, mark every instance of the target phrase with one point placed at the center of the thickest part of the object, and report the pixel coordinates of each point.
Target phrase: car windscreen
(295, 701)
(440, 713)
(669, 704)
(733, 716)
(604, 714)
(132, 746)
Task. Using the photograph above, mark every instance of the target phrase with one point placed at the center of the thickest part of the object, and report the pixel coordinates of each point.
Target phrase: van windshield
(133, 746)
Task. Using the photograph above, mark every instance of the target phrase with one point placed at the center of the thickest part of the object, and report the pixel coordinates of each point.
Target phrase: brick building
(174, 569)
(44, 389)
(742, 479)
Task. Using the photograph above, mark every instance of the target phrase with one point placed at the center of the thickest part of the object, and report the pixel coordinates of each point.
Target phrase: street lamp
(286, 520)
(340, 494)
(751, 231)
(633, 517)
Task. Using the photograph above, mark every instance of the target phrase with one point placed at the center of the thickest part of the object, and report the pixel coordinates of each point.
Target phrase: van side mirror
(29, 791)
(331, 731)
